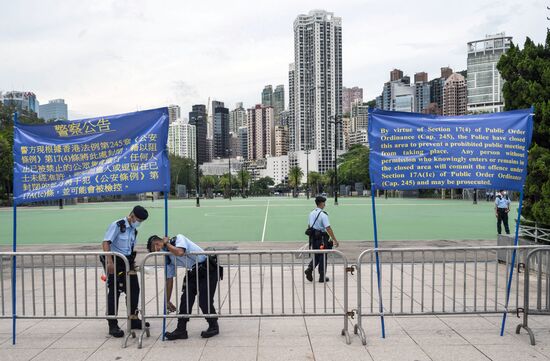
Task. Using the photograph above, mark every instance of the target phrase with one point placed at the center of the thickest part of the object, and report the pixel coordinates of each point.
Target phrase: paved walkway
(414, 338)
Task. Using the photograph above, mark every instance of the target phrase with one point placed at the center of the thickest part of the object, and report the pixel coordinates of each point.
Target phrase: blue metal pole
(14, 248)
(165, 266)
(378, 277)
(509, 285)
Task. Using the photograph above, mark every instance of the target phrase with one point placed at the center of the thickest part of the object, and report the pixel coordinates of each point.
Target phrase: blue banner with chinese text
(117, 154)
(418, 151)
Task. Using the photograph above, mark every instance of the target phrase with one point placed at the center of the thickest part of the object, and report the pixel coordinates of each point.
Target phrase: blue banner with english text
(419, 151)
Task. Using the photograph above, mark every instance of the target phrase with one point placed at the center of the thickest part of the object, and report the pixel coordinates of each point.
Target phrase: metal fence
(535, 233)
(255, 284)
(432, 281)
(537, 274)
(59, 285)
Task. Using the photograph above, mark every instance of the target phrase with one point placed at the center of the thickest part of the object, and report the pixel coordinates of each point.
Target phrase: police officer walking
(121, 237)
(200, 278)
(322, 237)
(502, 207)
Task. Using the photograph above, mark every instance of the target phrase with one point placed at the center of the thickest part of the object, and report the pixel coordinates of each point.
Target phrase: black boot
(178, 333)
(213, 329)
(114, 330)
(323, 279)
(138, 324)
(309, 274)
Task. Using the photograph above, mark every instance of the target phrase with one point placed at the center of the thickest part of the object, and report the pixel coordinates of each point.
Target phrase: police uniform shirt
(122, 242)
(187, 260)
(502, 201)
(321, 223)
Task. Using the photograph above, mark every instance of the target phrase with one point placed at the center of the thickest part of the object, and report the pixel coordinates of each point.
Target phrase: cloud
(115, 56)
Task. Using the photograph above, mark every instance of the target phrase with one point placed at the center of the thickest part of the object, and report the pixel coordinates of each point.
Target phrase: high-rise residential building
(55, 110)
(278, 102)
(281, 140)
(398, 95)
(234, 145)
(174, 113)
(267, 96)
(22, 101)
(454, 95)
(361, 136)
(181, 139)
(359, 116)
(220, 127)
(261, 132)
(350, 95)
(291, 109)
(243, 141)
(421, 77)
(284, 118)
(237, 118)
(421, 95)
(446, 72)
(317, 84)
(396, 74)
(484, 80)
(198, 118)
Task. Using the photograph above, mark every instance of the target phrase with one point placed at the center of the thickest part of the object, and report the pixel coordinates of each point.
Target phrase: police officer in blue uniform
(502, 207)
(322, 238)
(121, 237)
(197, 271)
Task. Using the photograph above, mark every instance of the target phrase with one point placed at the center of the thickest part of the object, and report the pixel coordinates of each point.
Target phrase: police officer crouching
(121, 237)
(197, 271)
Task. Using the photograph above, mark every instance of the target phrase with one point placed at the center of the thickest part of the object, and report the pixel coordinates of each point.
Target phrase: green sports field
(274, 219)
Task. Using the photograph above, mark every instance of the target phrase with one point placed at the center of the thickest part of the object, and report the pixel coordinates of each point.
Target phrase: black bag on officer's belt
(310, 231)
(214, 263)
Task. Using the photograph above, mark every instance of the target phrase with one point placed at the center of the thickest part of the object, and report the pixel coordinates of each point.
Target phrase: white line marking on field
(265, 220)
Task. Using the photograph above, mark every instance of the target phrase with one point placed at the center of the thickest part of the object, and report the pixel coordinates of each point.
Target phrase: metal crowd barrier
(536, 233)
(259, 283)
(434, 281)
(59, 285)
(537, 265)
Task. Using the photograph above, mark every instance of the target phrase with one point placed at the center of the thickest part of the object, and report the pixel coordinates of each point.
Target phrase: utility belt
(502, 209)
(120, 263)
(204, 267)
(319, 240)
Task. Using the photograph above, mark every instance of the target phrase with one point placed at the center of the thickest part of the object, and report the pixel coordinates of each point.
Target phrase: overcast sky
(116, 56)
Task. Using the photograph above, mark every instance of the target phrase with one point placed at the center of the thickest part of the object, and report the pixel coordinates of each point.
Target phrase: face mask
(136, 224)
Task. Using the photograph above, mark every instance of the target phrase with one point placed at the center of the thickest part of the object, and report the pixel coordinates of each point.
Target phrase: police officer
(197, 271)
(121, 237)
(322, 238)
(502, 207)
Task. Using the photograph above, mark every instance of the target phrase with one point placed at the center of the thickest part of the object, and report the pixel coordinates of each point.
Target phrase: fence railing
(432, 281)
(537, 274)
(59, 285)
(255, 284)
(536, 233)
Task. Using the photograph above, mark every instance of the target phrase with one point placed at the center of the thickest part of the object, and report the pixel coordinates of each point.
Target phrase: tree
(226, 182)
(242, 180)
(181, 172)
(6, 145)
(295, 178)
(354, 165)
(261, 186)
(207, 184)
(328, 178)
(527, 75)
(315, 180)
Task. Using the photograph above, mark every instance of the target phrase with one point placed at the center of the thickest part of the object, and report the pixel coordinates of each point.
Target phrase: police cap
(140, 212)
(320, 199)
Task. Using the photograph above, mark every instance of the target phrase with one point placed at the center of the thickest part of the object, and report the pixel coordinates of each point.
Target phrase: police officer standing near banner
(121, 237)
(201, 279)
(502, 207)
(321, 237)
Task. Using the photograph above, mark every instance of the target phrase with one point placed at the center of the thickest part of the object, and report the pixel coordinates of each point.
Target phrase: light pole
(197, 186)
(337, 120)
(307, 172)
(228, 151)
(242, 179)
